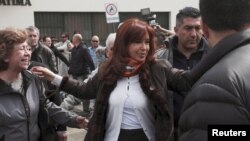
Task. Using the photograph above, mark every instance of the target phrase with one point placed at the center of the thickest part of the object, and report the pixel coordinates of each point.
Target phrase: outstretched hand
(167, 32)
(61, 136)
(82, 122)
(43, 72)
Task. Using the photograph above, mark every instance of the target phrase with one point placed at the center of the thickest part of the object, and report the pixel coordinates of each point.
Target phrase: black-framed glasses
(95, 41)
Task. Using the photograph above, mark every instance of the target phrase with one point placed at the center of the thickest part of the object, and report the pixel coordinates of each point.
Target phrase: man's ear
(204, 28)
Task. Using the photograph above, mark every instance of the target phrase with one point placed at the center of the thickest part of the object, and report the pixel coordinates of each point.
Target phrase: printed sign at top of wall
(112, 15)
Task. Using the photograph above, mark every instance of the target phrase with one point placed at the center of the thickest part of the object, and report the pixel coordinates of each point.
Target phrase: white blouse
(128, 93)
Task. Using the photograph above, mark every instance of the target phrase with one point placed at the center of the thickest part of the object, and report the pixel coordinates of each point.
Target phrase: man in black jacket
(221, 95)
(185, 50)
(81, 64)
(40, 53)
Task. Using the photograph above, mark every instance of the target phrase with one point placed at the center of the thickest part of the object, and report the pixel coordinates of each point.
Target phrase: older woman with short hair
(21, 94)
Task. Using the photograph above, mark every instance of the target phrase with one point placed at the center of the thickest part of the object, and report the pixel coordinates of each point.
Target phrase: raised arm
(49, 110)
(82, 90)
(175, 79)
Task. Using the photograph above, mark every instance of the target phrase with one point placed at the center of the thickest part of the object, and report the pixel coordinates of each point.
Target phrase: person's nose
(144, 46)
(193, 32)
(27, 51)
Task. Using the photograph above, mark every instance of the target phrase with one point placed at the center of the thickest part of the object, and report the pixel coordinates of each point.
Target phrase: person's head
(40, 40)
(64, 37)
(14, 50)
(76, 32)
(160, 38)
(188, 28)
(54, 39)
(47, 41)
(109, 44)
(224, 15)
(33, 36)
(77, 39)
(95, 41)
(134, 40)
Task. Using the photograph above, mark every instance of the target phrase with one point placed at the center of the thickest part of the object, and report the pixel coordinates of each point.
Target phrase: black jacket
(81, 62)
(179, 61)
(163, 77)
(194, 59)
(222, 93)
(59, 55)
(45, 56)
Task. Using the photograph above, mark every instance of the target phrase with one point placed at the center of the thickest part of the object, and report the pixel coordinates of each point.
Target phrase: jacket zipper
(27, 112)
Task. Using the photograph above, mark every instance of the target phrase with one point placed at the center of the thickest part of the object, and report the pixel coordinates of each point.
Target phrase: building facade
(53, 17)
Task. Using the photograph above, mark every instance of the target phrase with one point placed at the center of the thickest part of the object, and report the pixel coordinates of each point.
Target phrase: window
(87, 23)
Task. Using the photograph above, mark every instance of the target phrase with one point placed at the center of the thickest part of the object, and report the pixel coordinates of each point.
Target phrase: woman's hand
(43, 72)
(61, 136)
(82, 122)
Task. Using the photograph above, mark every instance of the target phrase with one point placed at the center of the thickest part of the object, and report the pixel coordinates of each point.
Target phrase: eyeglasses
(95, 41)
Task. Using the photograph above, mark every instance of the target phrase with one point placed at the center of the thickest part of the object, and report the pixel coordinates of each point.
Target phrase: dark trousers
(132, 135)
(88, 105)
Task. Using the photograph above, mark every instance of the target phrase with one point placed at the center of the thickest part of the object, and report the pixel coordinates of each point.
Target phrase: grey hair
(33, 28)
(110, 39)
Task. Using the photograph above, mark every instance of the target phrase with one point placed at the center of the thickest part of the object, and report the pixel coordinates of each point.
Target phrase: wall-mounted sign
(15, 2)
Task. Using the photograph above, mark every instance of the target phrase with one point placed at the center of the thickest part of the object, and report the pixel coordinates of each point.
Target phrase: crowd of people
(146, 84)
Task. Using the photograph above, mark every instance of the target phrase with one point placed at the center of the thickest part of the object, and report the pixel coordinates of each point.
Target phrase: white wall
(23, 16)
(16, 16)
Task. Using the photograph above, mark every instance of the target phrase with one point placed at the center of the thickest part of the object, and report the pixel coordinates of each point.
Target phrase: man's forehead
(33, 33)
(192, 21)
(95, 38)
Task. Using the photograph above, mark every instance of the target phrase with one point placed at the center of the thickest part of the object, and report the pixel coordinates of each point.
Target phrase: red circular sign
(111, 9)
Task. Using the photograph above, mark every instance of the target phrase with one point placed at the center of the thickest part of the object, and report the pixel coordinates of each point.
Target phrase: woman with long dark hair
(130, 89)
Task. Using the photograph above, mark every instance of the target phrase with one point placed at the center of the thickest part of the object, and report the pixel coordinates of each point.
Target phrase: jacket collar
(222, 48)
(6, 88)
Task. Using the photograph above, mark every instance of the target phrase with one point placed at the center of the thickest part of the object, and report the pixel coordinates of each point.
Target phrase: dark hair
(187, 12)
(76, 32)
(9, 37)
(131, 31)
(65, 34)
(45, 37)
(225, 14)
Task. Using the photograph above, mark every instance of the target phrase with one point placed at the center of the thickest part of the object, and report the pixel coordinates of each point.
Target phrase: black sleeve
(88, 59)
(60, 56)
